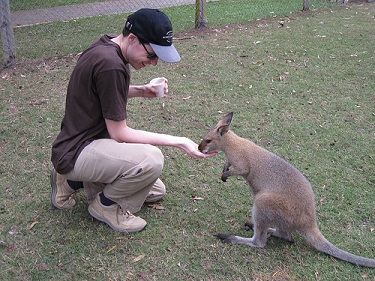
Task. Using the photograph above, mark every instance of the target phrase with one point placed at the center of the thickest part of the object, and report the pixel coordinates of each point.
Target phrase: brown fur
(283, 198)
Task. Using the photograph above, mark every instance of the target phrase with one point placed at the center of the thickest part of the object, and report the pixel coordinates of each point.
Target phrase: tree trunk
(7, 33)
(200, 14)
(306, 5)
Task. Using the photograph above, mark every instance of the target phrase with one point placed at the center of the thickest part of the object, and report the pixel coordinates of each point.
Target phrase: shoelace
(68, 201)
(125, 213)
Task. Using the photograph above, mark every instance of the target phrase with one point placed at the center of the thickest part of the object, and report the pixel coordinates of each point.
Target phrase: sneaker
(61, 192)
(116, 217)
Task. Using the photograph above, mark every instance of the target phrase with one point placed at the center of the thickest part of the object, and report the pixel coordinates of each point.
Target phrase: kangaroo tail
(316, 238)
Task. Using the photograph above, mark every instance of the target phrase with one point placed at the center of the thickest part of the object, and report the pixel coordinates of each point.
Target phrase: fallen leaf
(42, 266)
(38, 102)
(111, 249)
(156, 207)
(140, 257)
(194, 198)
(9, 248)
(32, 225)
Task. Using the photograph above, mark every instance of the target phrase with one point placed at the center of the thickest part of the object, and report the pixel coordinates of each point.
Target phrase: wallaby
(283, 198)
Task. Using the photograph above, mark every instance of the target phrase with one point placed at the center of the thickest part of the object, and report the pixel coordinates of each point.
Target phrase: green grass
(17, 5)
(304, 91)
(75, 35)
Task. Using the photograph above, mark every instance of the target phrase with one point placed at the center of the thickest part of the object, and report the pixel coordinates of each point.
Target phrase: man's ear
(132, 39)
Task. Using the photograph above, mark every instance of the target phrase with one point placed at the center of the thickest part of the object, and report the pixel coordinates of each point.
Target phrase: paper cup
(159, 84)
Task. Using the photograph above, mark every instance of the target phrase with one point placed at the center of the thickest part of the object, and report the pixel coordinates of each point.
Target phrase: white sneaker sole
(54, 189)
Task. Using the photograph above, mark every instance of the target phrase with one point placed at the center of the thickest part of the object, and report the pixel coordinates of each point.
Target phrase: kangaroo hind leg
(273, 232)
(259, 239)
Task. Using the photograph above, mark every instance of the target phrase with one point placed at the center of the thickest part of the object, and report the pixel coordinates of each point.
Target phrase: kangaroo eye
(208, 141)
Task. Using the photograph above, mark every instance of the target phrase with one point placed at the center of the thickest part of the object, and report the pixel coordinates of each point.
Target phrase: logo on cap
(129, 25)
(169, 36)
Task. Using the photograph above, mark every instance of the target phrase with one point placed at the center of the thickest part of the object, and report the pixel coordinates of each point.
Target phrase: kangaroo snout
(201, 147)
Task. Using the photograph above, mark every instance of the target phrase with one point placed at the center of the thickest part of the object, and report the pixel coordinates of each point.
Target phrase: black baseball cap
(154, 27)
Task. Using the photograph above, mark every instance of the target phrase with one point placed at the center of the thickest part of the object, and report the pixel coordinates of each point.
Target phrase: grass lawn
(300, 85)
(73, 36)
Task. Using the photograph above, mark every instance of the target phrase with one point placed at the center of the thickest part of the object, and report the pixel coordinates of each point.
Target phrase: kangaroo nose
(200, 147)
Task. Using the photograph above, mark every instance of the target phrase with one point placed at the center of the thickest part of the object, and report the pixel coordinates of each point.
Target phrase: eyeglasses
(149, 56)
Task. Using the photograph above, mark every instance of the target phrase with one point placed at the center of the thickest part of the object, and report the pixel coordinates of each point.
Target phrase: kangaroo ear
(224, 124)
(223, 129)
(228, 118)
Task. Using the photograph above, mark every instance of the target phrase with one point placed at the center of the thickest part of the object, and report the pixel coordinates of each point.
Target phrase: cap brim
(166, 53)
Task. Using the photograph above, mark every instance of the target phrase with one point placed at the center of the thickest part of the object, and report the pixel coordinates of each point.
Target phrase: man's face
(140, 55)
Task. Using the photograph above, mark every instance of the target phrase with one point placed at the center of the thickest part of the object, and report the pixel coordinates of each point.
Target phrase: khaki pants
(127, 173)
